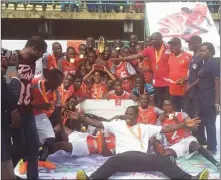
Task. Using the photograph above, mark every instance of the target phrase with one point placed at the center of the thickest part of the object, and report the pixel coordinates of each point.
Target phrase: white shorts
(44, 127)
(182, 148)
(79, 143)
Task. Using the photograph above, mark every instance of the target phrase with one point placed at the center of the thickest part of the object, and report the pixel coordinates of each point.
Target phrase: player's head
(92, 57)
(138, 48)
(68, 80)
(107, 52)
(207, 51)
(36, 47)
(144, 101)
(186, 10)
(156, 39)
(139, 82)
(77, 79)
(133, 40)
(167, 106)
(148, 42)
(72, 102)
(82, 70)
(97, 77)
(70, 53)
(54, 78)
(57, 49)
(115, 53)
(90, 42)
(82, 49)
(131, 113)
(118, 44)
(175, 45)
(118, 86)
(194, 43)
(126, 51)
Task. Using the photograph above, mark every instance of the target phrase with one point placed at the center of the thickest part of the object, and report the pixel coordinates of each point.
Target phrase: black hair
(70, 47)
(157, 34)
(135, 109)
(72, 76)
(55, 43)
(126, 47)
(54, 73)
(82, 45)
(77, 75)
(72, 96)
(209, 46)
(134, 35)
(37, 42)
(117, 80)
(90, 37)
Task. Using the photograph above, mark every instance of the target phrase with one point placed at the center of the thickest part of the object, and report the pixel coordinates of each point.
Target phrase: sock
(207, 155)
(44, 153)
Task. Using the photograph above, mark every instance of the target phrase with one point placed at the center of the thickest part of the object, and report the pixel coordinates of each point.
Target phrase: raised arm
(128, 58)
(86, 77)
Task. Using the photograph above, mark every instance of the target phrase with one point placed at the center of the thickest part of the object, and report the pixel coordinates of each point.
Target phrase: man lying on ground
(133, 158)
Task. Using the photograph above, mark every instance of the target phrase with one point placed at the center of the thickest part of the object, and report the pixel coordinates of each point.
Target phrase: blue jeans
(207, 116)
(178, 102)
(26, 141)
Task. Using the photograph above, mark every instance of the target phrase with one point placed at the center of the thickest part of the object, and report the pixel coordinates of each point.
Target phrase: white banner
(106, 108)
(183, 20)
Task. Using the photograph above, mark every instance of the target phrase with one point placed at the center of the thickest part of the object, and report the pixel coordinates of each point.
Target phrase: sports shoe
(204, 174)
(47, 164)
(81, 175)
(22, 167)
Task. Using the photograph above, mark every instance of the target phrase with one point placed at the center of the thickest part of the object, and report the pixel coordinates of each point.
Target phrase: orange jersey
(178, 135)
(112, 95)
(83, 91)
(68, 67)
(52, 97)
(124, 70)
(98, 91)
(178, 66)
(149, 115)
(50, 62)
(65, 94)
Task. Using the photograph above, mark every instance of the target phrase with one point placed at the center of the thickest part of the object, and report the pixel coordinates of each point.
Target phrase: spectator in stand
(9, 99)
(178, 64)
(158, 54)
(70, 62)
(92, 6)
(51, 61)
(133, 42)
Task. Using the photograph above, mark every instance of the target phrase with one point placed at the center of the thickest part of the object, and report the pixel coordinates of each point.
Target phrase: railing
(90, 6)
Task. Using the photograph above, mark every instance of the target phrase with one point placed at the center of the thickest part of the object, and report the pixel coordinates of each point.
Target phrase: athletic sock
(44, 153)
(207, 155)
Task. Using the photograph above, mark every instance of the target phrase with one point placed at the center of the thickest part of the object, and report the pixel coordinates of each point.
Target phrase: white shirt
(125, 140)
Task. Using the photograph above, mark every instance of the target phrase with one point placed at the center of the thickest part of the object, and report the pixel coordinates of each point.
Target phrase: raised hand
(71, 115)
(192, 123)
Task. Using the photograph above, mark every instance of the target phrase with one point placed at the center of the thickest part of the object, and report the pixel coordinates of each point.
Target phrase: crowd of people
(177, 95)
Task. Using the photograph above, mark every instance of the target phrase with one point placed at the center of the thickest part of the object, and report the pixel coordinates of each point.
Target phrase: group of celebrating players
(154, 77)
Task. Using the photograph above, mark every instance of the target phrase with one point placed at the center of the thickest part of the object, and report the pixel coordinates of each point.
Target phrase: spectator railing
(90, 6)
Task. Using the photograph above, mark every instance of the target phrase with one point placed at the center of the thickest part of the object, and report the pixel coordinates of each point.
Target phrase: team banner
(183, 20)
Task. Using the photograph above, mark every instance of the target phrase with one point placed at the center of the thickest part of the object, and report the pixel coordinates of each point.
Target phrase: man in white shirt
(132, 140)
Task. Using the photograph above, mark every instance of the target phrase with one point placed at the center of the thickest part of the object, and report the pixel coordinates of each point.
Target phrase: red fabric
(163, 66)
(178, 69)
(68, 67)
(178, 135)
(112, 95)
(98, 91)
(147, 116)
(52, 62)
(75, 44)
(81, 92)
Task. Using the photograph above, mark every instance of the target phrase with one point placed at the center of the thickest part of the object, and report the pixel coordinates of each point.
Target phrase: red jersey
(159, 63)
(98, 91)
(178, 135)
(147, 116)
(41, 97)
(124, 70)
(68, 67)
(83, 91)
(64, 94)
(26, 71)
(179, 66)
(111, 95)
(50, 62)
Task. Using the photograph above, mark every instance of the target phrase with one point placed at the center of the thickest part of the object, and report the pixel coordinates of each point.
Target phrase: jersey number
(174, 135)
(25, 94)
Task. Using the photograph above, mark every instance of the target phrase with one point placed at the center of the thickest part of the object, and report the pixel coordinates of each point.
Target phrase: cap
(175, 41)
(194, 39)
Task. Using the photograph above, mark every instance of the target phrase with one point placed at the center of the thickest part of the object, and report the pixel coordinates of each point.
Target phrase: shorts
(182, 148)
(44, 127)
(79, 143)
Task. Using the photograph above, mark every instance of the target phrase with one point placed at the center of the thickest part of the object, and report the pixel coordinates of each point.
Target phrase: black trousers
(162, 93)
(135, 161)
